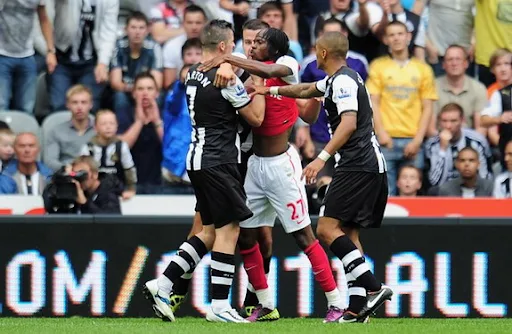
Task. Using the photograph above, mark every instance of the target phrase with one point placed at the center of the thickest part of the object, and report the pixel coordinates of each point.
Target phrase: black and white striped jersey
(441, 164)
(345, 91)
(215, 121)
(502, 185)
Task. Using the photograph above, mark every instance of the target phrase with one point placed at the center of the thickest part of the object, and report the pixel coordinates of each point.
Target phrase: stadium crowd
(441, 87)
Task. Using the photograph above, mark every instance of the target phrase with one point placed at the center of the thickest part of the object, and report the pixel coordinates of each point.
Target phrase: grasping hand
(312, 169)
(259, 90)
(224, 76)
(208, 65)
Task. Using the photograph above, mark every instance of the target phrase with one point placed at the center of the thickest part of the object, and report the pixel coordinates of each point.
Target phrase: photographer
(79, 190)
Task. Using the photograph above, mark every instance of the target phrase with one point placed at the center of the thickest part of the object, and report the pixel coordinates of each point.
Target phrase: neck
(456, 137)
(397, 8)
(334, 65)
(27, 168)
(401, 55)
(470, 182)
(94, 186)
(401, 194)
(335, 11)
(209, 55)
(81, 125)
(456, 81)
(505, 83)
(104, 140)
(135, 47)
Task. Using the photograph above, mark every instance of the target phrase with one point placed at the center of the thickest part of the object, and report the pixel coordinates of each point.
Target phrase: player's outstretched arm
(255, 111)
(252, 66)
(302, 91)
(309, 109)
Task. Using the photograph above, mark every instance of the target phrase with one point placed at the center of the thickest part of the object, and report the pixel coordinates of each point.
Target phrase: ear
(222, 46)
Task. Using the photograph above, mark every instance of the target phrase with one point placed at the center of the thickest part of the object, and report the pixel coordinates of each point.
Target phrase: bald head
(334, 43)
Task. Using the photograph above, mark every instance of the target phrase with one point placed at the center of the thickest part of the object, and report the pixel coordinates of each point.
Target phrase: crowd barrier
(95, 266)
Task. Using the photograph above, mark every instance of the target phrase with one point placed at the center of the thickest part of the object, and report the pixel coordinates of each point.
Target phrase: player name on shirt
(198, 76)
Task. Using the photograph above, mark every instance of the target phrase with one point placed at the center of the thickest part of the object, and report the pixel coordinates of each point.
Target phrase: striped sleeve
(438, 172)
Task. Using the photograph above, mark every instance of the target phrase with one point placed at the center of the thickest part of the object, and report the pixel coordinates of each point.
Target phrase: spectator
(459, 88)
(6, 147)
(402, 91)
(95, 195)
(441, 35)
(40, 47)
(134, 54)
(85, 36)
(441, 151)
(409, 181)
(492, 31)
(112, 154)
(30, 175)
(414, 24)
(502, 182)
(143, 131)
(66, 140)
(167, 20)
(18, 71)
(7, 185)
(469, 184)
(191, 51)
(194, 20)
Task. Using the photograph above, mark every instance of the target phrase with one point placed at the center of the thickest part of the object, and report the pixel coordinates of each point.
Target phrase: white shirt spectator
(172, 52)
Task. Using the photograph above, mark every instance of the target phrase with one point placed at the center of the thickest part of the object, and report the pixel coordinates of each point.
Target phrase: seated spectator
(18, 71)
(194, 20)
(167, 18)
(503, 181)
(459, 88)
(85, 37)
(409, 181)
(95, 195)
(134, 54)
(30, 175)
(6, 147)
(66, 140)
(112, 154)
(143, 131)
(441, 151)
(468, 184)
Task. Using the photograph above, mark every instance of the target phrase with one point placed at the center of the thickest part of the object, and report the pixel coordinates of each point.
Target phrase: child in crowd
(112, 154)
(409, 181)
(6, 147)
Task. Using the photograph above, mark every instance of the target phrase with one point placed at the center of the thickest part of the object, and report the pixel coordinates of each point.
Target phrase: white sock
(265, 299)
(250, 287)
(164, 285)
(220, 305)
(334, 299)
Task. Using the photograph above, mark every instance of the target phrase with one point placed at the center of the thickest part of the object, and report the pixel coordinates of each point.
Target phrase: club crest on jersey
(344, 93)
(239, 90)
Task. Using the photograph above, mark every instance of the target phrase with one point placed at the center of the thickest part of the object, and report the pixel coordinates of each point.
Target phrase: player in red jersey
(273, 183)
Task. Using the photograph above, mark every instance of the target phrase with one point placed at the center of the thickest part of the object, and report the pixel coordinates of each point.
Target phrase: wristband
(324, 155)
(274, 90)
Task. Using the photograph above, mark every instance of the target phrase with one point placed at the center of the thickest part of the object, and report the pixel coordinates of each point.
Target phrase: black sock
(266, 264)
(357, 295)
(354, 263)
(187, 257)
(223, 271)
(182, 284)
(250, 299)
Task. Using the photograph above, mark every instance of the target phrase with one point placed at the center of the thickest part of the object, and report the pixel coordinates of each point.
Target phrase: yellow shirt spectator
(401, 90)
(493, 28)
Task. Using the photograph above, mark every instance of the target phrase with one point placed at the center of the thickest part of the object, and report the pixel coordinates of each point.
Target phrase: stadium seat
(20, 121)
(42, 107)
(54, 119)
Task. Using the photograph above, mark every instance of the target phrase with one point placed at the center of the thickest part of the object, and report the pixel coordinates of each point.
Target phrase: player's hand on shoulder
(259, 90)
(312, 169)
(225, 76)
(212, 63)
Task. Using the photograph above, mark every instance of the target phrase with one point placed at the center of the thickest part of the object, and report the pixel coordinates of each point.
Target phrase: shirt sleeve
(494, 107)
(344, 93)
(169, 55)
(157, 58)
(375, 13)
(428, 89)
(293, 65)
(321, 85)
(236, 94)
(85, 150)
(374, 82)
(420, 39)
(126, 156)
(116, 58)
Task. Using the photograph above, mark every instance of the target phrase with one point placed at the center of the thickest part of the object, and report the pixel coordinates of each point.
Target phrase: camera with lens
(60, 194)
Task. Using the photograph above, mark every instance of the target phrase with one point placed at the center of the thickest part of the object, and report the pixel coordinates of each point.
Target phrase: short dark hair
(333, 20)
(137, 16)
(190, 44)
(278, 43)
(268, 6)
(451, 107)
(144, 75)
(214, 32)
(457, 46)
(467, 148)
(397, 23)
(194, 9)
(255, 24)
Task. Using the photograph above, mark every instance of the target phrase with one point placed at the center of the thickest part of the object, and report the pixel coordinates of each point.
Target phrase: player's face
(408, 182)
(106, 125)
(193, 23)
(145, 89)
(467, 164)
(503, 68)
(451, 121)
(192, 55)
(259, 50)
(136, 30)
(455, 62)
(397, 38)
(248, 37)
(508, 156)
(274, 18)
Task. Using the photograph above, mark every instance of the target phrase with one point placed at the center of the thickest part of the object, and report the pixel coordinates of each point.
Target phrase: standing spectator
(112, 154)
(441, 151)
(469, 184)
(30, 175)
(134, 54)
(409, 181)
(66, 140)
(492, 31)
(143, 131)
(441, 35)
(40, 46)
(194, 20)
(503, 181)
(6, 147)
(402, 91)
(457, 87)
(85, 36)
(18, 70)
(167, 20)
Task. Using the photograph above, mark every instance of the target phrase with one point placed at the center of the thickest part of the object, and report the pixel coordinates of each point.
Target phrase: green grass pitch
(293, 326)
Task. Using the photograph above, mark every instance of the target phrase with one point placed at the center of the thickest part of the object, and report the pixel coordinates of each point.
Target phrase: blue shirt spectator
(7, 185)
